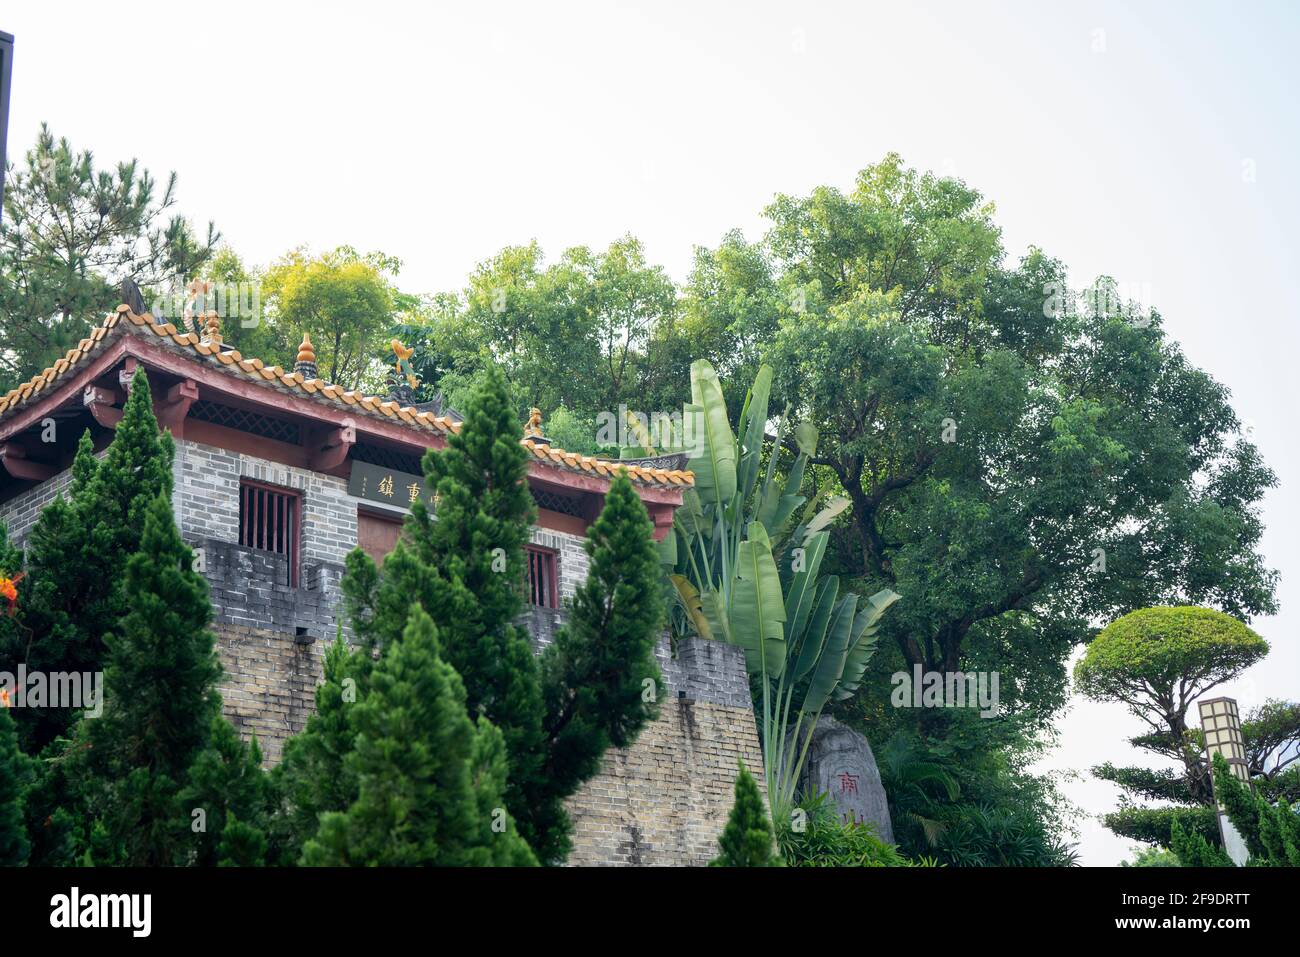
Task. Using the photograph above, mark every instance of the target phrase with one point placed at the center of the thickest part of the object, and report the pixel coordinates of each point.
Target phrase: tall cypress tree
(746, 841)
(430, 781)
(312, 777)
(75, 553)
(466, 570)
(227, 784)
(600, 677)
(160, 699)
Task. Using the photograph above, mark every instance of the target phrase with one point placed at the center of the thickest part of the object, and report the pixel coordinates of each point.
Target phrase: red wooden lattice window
(543, 585)
(268, 520)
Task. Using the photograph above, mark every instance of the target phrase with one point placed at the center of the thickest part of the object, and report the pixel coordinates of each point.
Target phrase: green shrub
(826, 841)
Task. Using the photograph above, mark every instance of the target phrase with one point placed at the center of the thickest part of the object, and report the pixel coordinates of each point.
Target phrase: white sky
(1114, 138)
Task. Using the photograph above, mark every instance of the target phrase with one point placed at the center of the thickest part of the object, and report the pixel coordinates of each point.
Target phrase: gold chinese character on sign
(386, 486)
(413, 490)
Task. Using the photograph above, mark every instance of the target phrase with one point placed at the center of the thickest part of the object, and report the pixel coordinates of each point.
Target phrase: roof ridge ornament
(533, 428)
(305, 365)
(402, 381)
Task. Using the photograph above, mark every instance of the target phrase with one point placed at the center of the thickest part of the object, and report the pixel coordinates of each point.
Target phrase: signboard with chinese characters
(389, 486)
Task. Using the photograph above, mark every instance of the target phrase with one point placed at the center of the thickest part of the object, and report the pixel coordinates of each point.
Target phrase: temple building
(278, 475)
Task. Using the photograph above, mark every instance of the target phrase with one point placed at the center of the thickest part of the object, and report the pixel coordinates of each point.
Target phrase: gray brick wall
(19, 514)
(572, 559)
(207, 499)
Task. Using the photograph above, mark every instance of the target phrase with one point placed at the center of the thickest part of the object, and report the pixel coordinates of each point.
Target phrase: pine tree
(1239, 804)
(430, 781)
(746, 841)
(1194, 850)
(226, 783)
(14, 846)
(160, 698)
(465, 570)
(597, 686)
(600, 676)
(312, 776)
(73, 593)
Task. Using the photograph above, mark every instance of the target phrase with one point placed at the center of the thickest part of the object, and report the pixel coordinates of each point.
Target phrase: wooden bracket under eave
(334, 451)
(127, 373)
(14, 458)
(100, 402)
(175, 406)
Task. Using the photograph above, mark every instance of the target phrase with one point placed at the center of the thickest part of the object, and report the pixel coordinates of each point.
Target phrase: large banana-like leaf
(805, 436)
(802, 588)
(640, 433)
(830, 666)
(714, 445)
(757, 605)
(814, 638)
(689, 516)
(692, 604)
(864, 642)
(827, 515)
(753, 428)
(715, 613)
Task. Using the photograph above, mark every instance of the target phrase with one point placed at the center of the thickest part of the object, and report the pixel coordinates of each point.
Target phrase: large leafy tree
(343, 299)
(71, 232)
(1157, 661)
(597, 311)
(1017, 463)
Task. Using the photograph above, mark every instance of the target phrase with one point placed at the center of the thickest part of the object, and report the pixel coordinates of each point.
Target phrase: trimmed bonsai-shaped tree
(1157, 661)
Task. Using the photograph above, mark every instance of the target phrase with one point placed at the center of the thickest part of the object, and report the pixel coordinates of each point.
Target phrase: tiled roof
(275, 377)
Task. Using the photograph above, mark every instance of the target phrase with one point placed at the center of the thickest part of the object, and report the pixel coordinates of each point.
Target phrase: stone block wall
(269, 685)
(664, 800)
(572, 558)
(19, 514)
(207, 499)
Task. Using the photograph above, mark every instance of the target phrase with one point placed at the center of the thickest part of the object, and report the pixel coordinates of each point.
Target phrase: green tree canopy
(71, 232)
(1158, 661)
(343, 299)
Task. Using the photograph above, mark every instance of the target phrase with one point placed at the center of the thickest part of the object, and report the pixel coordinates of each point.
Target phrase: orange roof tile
(124, 321)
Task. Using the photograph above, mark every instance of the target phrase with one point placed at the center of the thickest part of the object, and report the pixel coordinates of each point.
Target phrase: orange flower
(4, 699)
(9, 590)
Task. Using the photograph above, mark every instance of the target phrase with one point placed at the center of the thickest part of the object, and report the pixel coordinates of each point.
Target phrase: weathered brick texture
(269, 686)
(665, 799)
